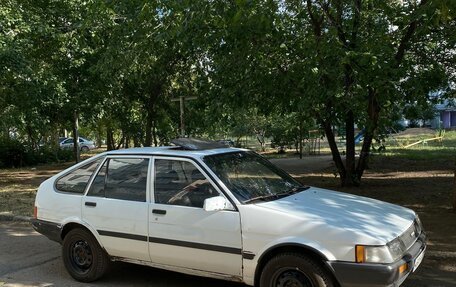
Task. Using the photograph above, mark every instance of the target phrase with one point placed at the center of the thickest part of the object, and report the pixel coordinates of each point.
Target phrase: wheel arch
(292, 247)
(70, 225)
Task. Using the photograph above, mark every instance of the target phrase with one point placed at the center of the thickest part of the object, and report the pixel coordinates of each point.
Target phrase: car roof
(172, 151)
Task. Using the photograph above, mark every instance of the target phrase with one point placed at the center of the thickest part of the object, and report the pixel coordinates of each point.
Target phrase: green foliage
(14, 153)
(11, 153)
(265, 68)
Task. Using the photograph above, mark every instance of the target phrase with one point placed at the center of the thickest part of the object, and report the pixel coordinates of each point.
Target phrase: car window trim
(75, 167)
(197, 162)
(255, 153)
(97, 171)
(107, 157)
(181, 159)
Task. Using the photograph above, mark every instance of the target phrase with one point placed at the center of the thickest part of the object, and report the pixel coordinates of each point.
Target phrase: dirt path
(424, 186)
(309, 164)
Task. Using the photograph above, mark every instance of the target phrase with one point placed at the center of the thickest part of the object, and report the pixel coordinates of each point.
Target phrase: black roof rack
(197, 144)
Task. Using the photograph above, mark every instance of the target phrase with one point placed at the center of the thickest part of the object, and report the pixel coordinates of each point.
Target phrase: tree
(341, 62)
(142, 56)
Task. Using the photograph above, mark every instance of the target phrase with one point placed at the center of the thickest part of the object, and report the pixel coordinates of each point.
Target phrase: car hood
(354, 214)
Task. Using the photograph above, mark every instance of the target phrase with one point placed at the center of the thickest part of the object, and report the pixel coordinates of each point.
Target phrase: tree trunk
(350, 149)
(127, 142)
(260, 139)
(136, 140)
(326, 125)
(99, 133)
(373, 112)
(155, 92)
(109, 138)
(300, 138)
(154, 134)
(76, 150)
(55, 144)
(121, 142)
(149, 120)
(31, 138)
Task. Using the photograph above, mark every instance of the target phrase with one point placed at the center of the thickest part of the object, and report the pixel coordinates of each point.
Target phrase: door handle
(89, 203)
(159, 211)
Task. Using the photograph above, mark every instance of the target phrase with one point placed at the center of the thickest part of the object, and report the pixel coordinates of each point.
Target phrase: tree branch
(403, 45)
(316, 22)
(356, 22)
(335, 22)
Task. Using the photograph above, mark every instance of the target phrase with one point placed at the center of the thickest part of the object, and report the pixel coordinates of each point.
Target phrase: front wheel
(294, 270)
(83, 257)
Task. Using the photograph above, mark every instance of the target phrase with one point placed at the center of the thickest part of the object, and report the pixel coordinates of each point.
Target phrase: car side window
(98, 183)
(181, 183)
(77, 180)
(121, 178)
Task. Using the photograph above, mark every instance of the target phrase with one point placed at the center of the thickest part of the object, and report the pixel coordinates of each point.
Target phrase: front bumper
(351, 274)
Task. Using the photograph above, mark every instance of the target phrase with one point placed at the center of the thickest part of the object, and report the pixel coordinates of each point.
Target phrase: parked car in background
(227, 213)
(61, 139)
(84, 144)
(227, 142)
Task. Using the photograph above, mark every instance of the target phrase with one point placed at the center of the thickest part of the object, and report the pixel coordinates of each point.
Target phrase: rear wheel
(294, 270)
(84, 149)
(83, 257)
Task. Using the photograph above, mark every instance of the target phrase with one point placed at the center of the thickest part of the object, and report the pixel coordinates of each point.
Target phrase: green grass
(429, 150)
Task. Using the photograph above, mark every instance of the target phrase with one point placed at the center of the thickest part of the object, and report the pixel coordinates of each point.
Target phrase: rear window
(76, 180)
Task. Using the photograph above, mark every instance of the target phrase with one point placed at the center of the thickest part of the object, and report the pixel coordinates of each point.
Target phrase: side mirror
(215, 203)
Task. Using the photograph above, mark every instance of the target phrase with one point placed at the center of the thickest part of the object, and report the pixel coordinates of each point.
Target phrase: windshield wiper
(298, 189)
(277, 195)
(261, 197)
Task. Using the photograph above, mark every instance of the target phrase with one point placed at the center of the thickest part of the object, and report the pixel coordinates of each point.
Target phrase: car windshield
(250, 177)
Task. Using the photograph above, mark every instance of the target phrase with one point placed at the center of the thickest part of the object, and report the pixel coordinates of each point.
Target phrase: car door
(116, 205)
(68, 143)
(181, 232)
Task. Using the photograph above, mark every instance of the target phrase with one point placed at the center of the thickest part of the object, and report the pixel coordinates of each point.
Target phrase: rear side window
(76, 180)
(121, 178)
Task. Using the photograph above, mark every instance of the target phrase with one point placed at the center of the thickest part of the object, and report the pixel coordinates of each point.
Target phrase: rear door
(116, 206)
(181, 232)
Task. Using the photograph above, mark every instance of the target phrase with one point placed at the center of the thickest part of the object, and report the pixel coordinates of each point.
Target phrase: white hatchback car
(224, 213)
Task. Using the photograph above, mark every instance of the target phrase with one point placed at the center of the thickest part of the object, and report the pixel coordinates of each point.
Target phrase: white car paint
(331, 223)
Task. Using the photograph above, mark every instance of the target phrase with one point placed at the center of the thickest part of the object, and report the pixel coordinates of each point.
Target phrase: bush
(14, 153)
(11, 153)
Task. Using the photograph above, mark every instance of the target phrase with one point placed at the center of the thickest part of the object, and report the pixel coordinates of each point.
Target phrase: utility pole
(182, 100)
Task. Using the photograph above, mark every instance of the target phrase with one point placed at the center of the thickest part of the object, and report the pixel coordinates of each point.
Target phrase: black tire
(83, 257)
(84, 149)
(294, 269)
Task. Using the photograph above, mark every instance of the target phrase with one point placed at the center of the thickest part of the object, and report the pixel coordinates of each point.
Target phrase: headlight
(418, 225)
(380, 254)
(396, 248)
(373, 254)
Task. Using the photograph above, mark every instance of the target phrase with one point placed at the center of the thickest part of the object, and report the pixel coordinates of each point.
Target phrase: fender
(76, 220)
(251, 266)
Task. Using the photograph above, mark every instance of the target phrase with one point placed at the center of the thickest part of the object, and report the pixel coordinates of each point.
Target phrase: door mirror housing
(215, 203)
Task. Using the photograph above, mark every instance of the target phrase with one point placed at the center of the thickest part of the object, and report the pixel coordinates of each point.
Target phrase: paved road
(30, 259)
